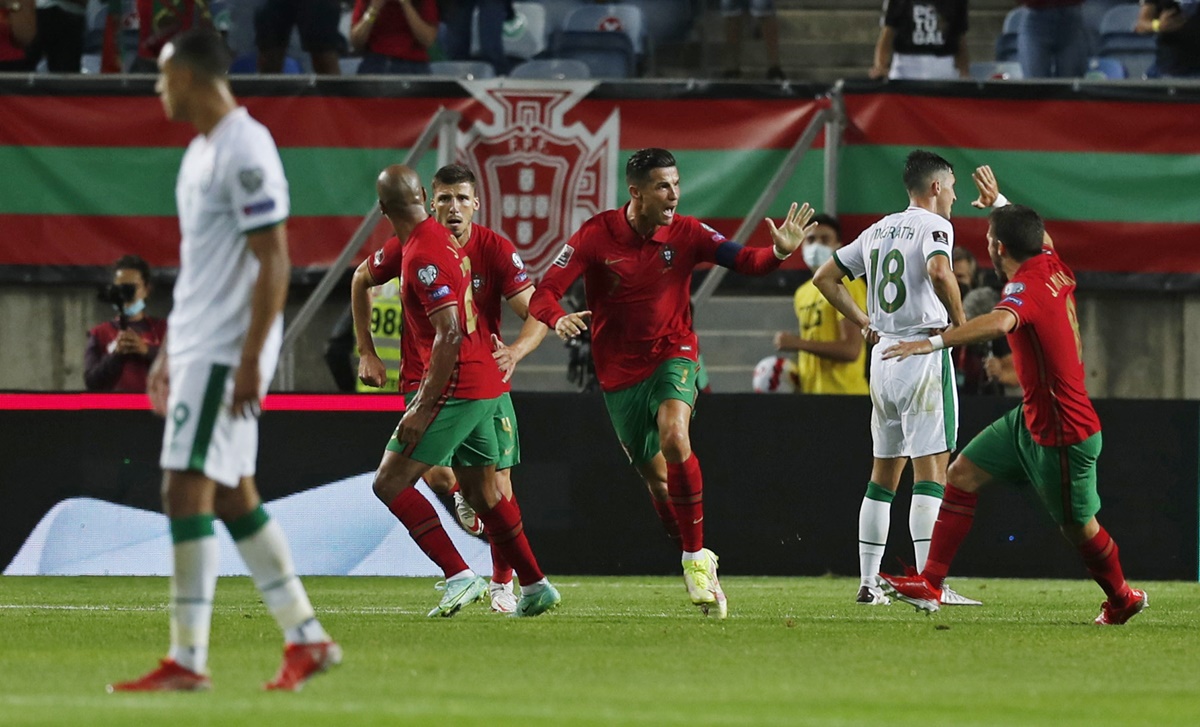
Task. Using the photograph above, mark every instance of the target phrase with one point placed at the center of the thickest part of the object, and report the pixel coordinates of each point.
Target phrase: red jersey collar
(626, 234)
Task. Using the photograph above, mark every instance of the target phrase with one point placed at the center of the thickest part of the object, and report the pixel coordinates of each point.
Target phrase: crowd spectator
(1176, 27)
(922, 40)
(1052, 42)
(832, 354)
(18, 26)
(60, 25)
(458, 15)
(983, 368)
(317, 22)
(158, 23)
(764, 12)
(119, 352)
(394, 35)
(966, 270)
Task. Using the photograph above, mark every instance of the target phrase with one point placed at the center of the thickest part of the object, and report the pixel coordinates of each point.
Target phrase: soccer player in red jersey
(637, 264)
(451, 388)
(497, 274)
(1050, 442)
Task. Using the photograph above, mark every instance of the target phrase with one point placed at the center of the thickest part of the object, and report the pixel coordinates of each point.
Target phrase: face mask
(135, 307)
(815, 255)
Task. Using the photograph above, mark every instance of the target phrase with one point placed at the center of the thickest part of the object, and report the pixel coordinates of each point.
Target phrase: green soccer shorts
(461, 434)
(1064, 478)
(634, 411)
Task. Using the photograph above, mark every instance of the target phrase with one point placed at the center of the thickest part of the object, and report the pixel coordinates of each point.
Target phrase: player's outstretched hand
(904, 349)
(572, 324)
(158, 383)
(246, 400)
(794, 229)
(503, 357)
(989, 189)
(371, 370)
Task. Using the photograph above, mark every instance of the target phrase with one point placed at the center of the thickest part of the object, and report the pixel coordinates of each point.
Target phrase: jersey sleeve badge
(427, 274)
(940, 237)
(565, 256)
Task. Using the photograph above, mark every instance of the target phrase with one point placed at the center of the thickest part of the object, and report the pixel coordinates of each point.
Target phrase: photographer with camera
(120, 351)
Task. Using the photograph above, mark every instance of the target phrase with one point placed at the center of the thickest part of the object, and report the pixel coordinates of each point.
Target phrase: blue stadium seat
(1105, 69)
(1119, 42)
(469, 70)
(1006, 43)
(611, 17)
(248, 63)
(527, 36)
(607, 54)
(1093, 15)
(557, 69)
(667, 21)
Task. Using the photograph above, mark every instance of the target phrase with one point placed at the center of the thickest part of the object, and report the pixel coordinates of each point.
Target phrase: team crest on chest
(668, 256)
(427, 274)
(476, 281)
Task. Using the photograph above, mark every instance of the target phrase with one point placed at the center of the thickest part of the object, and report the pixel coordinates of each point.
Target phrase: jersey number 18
(892, 272)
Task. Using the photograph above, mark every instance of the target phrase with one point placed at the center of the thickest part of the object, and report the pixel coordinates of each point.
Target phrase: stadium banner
(91, 163)
(771, 508)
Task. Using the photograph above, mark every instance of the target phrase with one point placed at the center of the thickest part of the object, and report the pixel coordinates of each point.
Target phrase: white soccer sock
(193, 585)
(534, 587)
(269, 560)
(468, 573)
(874, 518)
(922, 516)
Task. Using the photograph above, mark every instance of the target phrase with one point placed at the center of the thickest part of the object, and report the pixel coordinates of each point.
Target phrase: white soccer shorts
(914, 409)
(201, 434)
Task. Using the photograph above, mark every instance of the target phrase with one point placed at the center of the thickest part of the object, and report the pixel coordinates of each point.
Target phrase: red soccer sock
(953, 524)
(411, 508)
(507, 533)
(502, 572)
(686, 488)
(1100, 555)
(666, 514)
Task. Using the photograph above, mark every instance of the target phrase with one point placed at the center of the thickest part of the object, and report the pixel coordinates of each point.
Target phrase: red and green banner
(87, 177)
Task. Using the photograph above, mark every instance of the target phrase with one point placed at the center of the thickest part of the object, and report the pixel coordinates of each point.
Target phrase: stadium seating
(1006, 44)
(557, 12)
(607, 55)
(1093, 14)
(557, 69)
(667, 21)
(610, 17)
(1105, 69)
(996, 71)
(248, 63)
(467, 70)
(1119, 42)
(527, 37)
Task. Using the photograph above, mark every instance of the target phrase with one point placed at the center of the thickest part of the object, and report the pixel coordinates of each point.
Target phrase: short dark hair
(920, 168)
(1020, 229)
(203, 50)
(644, 161)
(133, 262)
(453, 174)
(829, 221)
(962, 253)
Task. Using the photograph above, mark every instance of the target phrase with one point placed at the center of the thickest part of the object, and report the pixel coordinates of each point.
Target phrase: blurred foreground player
(226, 328)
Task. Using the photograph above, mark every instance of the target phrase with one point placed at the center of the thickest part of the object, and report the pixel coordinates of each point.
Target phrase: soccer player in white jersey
(226, 328)
(911, 294)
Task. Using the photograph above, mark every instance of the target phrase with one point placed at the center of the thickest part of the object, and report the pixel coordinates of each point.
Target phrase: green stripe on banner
(140, 181)
(1072, 186)
(211, 406)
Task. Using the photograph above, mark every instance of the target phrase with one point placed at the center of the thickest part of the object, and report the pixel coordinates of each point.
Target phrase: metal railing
(833, 119)
(444, 128)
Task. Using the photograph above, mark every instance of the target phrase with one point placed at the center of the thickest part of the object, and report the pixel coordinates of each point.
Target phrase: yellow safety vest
(386, 328)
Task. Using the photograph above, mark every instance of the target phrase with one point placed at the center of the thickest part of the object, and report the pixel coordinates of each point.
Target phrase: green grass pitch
(619, 651)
